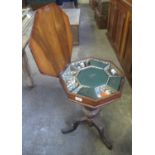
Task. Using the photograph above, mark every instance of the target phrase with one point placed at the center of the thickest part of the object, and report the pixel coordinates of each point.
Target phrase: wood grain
(51, 40)
(120, 32)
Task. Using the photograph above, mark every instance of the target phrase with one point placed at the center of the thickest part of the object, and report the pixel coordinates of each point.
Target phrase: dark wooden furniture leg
(74, 125)
(93, 122)
(100, 130)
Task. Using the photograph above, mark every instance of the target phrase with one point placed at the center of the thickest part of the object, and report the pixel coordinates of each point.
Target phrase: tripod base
(91, 121)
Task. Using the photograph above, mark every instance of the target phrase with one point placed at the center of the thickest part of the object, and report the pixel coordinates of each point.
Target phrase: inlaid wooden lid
(51, 40)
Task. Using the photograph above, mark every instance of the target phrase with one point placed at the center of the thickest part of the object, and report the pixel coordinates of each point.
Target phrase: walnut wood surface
(51, 40)
(120, 32)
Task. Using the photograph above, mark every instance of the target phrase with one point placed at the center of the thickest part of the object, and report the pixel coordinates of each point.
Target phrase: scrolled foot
(106, 142)
(103, 138)
(70, 129)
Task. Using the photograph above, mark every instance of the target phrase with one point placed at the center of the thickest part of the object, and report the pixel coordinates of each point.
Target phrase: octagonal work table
(90, 82)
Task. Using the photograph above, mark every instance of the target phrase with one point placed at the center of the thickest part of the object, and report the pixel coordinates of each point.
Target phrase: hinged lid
(51, 40)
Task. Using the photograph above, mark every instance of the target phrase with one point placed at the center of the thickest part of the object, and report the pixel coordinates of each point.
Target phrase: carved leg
(74, 126)
(101, 133)
(92, 121)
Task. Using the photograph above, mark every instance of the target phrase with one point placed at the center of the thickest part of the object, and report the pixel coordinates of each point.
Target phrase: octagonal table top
(92, 82)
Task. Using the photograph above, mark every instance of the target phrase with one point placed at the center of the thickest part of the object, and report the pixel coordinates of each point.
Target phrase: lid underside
(51, 40)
